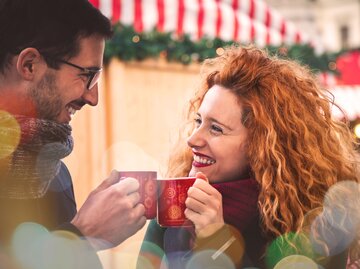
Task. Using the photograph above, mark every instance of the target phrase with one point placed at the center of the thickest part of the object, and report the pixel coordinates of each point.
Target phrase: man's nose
(91, 97)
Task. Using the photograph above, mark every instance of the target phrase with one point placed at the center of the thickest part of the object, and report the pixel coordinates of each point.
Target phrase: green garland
(129, 45)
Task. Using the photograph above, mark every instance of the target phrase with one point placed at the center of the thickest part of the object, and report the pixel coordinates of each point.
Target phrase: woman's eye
(216, 129)
(197, 122)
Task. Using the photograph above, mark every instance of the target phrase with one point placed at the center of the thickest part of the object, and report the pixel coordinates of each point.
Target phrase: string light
(135, 39)
(332, 66)
(220, 51)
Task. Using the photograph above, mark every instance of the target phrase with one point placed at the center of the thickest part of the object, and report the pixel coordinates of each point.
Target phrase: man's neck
(16, 104)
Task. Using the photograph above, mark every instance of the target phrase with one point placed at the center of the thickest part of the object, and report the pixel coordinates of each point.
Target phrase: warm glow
(219, 51)
(332, 66)
(357, 130)
(135, 39)
(10, 134)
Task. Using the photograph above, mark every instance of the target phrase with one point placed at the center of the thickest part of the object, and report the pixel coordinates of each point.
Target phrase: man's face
(62, 92)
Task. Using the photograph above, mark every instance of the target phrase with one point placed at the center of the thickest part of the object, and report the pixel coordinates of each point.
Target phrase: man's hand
(111, 213)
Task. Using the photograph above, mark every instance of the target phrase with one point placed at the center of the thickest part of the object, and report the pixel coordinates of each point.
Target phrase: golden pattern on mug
(170, 193)
(174, 212)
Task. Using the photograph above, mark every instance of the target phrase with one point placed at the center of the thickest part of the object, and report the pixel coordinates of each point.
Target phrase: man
(51, 54)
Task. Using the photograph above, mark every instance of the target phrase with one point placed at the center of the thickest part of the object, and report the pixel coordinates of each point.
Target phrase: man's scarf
(28, 167)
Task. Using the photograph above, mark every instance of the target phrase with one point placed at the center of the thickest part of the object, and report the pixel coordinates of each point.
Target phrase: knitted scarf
(26, 169)
(240, 199)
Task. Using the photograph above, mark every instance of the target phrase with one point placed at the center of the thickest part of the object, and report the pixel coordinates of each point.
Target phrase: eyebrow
(216, 121)
(94, 68)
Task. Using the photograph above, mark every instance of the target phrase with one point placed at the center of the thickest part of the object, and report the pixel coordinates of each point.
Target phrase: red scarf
(240, 199)
(239, 210)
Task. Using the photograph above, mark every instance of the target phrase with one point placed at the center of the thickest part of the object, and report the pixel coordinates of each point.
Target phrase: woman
(263, 137)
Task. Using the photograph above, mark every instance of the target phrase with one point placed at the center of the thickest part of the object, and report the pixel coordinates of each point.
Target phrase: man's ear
(30, 63)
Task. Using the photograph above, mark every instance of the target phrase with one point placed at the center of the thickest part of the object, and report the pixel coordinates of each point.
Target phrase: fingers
(112, 179)
(134, 199)
(192, 215)
(203, 191)
(203, 203)
(203, 197)
(127, 185)
(204, 206)
(195, 205)
(202, 176)
(140, 211)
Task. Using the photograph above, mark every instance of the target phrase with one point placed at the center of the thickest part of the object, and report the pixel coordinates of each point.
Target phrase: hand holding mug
(147, 189)
(204, 207)
(111, 213)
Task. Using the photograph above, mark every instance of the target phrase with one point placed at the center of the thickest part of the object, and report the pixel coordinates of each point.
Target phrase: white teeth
(203, 160)
(71, 110)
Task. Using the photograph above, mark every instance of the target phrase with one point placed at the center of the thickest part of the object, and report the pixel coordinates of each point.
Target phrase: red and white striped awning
(348, 98)
(243, 21)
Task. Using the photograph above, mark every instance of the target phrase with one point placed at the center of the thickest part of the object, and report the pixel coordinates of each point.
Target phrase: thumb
(202, 176)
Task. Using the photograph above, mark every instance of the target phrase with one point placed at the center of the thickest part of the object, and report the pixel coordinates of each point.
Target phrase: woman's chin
(193, 171)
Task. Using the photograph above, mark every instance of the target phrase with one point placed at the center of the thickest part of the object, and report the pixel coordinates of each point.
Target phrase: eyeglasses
(92, 73)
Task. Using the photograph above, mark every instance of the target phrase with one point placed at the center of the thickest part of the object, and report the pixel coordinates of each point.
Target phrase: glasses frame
(93, 72)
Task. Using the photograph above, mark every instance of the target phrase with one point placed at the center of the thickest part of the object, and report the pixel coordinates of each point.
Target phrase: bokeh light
(209, 44)
(335, 228)
(220, 51)
(357, 130)
(332, 66)
(136, 39)
(235, 244)
(150, 257)
(309, 219)
(205, 259)
(36, 248)
(26, 244)
(10, 134)
(287, 245)
(296, 262)
(65, 234)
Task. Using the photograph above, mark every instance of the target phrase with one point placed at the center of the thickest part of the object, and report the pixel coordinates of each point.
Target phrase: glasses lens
(93, 80)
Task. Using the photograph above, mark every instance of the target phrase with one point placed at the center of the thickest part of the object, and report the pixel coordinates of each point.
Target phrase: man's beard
(46, 98)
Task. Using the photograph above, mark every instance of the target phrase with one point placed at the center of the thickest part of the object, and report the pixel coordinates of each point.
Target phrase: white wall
(322, 19)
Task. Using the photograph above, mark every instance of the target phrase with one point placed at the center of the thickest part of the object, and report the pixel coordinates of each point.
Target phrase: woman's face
(219, 139)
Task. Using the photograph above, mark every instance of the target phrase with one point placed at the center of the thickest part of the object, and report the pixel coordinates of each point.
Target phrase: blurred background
(152, 68)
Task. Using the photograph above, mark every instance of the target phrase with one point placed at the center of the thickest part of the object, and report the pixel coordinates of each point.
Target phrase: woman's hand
(204, 207)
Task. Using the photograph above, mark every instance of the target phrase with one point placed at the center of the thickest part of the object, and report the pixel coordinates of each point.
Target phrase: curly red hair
(296, 149)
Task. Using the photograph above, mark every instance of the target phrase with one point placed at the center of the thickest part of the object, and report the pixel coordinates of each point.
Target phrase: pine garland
(128, 45)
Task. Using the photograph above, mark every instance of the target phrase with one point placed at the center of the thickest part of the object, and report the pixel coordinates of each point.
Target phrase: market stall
(242, 21)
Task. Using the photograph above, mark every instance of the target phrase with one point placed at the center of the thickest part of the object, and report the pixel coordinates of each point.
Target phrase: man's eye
(85, 76)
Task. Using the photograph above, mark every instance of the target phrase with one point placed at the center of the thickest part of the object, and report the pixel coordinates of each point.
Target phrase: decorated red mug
(172, 193)
(147, 189)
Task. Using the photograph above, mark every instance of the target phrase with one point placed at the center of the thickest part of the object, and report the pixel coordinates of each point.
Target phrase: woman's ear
(30, 63)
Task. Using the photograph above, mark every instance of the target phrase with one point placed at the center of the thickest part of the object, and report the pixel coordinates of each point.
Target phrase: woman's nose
(197, 138)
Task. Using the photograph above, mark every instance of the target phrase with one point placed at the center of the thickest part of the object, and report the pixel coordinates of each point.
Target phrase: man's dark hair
(51, 26)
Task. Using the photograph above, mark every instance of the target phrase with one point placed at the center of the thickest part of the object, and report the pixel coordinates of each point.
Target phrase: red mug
(147, 189)
(172, 193)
